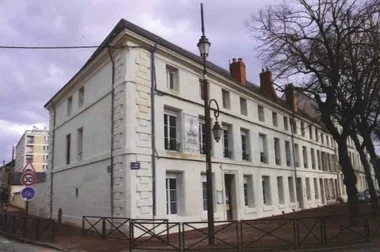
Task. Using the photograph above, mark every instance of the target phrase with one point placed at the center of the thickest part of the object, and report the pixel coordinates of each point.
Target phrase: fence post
(296, 233)
(179, 237)
(83, 233)
(37, 229)
(323, 231)
(130, 235)
(367, 229)
(103, 227)
(167, 231)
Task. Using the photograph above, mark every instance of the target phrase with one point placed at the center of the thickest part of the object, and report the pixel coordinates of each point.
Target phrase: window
(68, 146)
(204, 195)
(46, 157)
(29, 158)
(332, 142)
(80, 144)
(171, 196)
(44, 167)
(277, 151)
(226, 99)
(245, 191)
(243, 106)
(226, 142)
(171, 131)
(312, 153)
(291, 190)
(30, 139)
(45, 148)
(202, 136)
(327, 140)
(46, 138)
(260, 111)
(244, 144)
(311, 132)
(316, 135)
(280, 188)
(294, 126)
(319, 159)
(305, 158)
(263, 147)
(274, 119)
(286, 124)
(29, 149)
(316, 192)
(303, 129)
(266, 190)
(308, 189)
(288, 155)
(81, 97)
(69, 105)
(333, 161)
(297, 155)
(201, 89)
(322, 139)
(171, 78)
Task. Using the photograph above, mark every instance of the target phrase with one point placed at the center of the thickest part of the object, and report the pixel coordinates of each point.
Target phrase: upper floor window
(227, 143)
(305, 158)
(316, 135)
(322, 139)
(312, 153)
(171, 131)
(69, 105)
(29, 158)
(286, 123)
(81, 97)
(288, 153)
(294, 126)
(226, 99)
(80, 144)
(172, 78)
(303, 129)
(30, 139)
(311, 132)
(327, 140)
(243, 106)
(260, 111)
(263, 148)
(277, 151)
(68, 148)
(244, 144)
(29, 149)
(297, 155)
(274, 119)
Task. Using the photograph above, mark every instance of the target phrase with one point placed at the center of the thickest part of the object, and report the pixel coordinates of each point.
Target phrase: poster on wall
(191, 133)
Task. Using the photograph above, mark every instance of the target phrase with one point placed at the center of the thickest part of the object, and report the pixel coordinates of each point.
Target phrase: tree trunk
(350, 182)
(368, 176)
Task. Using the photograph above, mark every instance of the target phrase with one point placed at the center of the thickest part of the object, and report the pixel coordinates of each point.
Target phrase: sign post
(28, 178)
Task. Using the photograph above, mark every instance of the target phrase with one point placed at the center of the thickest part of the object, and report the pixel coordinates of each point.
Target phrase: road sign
(28, 193)
(135, 166)
(28, 167)
(28, 179)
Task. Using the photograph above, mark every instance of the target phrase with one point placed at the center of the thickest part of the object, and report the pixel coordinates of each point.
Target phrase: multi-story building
(127, 133)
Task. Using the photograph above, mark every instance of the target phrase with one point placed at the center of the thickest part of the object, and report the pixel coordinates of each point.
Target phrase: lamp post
(204, 46)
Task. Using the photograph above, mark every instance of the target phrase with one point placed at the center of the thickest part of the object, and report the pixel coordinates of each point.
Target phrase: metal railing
(33, 228)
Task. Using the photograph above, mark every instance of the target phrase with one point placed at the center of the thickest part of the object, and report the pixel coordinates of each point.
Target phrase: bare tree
(310, 40)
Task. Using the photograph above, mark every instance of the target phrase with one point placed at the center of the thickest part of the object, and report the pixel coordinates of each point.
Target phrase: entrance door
(299, 192)
(228, 182)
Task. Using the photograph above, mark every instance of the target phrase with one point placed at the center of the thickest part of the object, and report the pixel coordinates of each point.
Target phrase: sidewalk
(70, 238)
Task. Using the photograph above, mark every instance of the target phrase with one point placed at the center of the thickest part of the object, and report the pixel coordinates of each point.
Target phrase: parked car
(362, 197)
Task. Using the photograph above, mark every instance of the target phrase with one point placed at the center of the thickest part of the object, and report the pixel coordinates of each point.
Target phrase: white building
(158, 165)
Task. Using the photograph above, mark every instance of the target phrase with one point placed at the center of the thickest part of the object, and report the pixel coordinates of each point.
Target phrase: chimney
(266, 84)
(290, 97)
(237, 71)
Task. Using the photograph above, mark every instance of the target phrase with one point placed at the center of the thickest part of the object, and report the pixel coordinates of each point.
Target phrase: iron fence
(106, 227)
(28, 227)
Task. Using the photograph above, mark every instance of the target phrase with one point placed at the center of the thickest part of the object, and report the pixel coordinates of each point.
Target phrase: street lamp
(204, 46)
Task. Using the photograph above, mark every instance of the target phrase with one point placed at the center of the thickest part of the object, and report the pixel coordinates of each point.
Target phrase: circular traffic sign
(28, 179)
(28, 193)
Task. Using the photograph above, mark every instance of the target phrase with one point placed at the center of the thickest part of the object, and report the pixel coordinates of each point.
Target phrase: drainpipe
(52, 161)
(153, 136)
(112, 127)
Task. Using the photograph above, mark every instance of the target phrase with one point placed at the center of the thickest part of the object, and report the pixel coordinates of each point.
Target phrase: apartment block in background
(32, 147)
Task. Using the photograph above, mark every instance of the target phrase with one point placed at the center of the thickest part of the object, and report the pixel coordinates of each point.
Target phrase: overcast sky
(28, 79)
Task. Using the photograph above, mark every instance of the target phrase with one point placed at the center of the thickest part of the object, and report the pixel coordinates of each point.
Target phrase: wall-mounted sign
(135, 166)
(191, 129)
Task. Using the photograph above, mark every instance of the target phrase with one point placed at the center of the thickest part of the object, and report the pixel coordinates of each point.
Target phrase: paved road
(7, 245)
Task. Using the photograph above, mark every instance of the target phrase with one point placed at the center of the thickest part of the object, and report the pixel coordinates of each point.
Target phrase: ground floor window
(266, 190)
(291, 189)
(204, 193)
(171, 196)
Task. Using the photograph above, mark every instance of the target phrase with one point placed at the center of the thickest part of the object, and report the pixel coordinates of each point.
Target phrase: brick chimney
(238, 72)
(290, 97)
(266, 84)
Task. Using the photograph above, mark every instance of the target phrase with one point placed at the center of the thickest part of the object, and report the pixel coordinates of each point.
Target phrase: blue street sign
(135, 166)
(28, 193)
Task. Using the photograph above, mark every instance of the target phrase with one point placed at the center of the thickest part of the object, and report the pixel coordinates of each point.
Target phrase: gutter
(112, 128)
(153, 128)
(52, 162)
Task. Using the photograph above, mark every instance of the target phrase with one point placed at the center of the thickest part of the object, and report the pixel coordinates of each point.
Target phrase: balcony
(172, 145)
(227, 153)
(245, 156)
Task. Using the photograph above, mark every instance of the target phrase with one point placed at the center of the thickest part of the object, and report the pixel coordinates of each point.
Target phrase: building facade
(127, 133)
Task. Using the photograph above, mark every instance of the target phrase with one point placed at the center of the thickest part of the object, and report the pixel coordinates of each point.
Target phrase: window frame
(167, 144)
(170, 176)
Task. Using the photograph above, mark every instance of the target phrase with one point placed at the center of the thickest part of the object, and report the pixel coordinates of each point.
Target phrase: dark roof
(124, 24)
